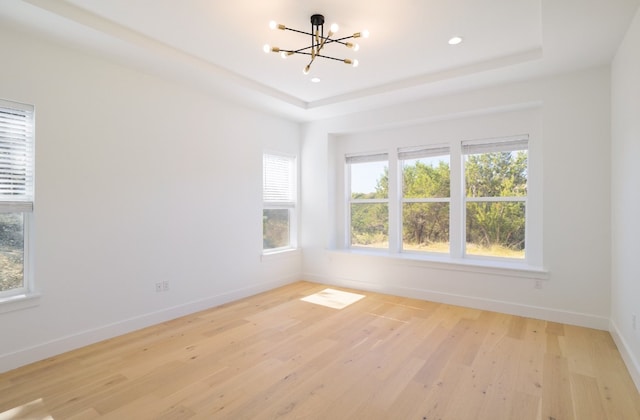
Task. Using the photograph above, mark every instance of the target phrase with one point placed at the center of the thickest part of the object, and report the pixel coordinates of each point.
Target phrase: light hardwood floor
(384, 357)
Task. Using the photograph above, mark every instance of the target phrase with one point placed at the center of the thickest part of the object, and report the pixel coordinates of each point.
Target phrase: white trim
(16, 206)
(18, 302)
(494, 266)
(427, 200)
(521, 199)
(633, 365)
(529, 311)
(369, 201)
(60, 345)
(280, 254)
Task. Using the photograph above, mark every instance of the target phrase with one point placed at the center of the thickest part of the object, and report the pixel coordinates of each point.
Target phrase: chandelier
(318, 42)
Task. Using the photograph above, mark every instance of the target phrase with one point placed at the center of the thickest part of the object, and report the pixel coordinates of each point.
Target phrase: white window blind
(405, 153)
(376, 157)
(278, 180)
(16, 156)
(505, 144)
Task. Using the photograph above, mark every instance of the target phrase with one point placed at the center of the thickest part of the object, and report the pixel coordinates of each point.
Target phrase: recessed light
(316, 80)
(455, 40)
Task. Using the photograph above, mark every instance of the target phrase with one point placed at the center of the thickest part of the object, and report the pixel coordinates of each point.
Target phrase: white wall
(138, 181)
(575, 148)
(625, 197)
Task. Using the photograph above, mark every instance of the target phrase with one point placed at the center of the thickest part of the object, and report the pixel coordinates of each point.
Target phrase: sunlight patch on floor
(332, 298)
(31, 410)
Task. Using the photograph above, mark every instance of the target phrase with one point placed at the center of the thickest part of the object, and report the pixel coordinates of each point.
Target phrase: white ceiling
(217, 45)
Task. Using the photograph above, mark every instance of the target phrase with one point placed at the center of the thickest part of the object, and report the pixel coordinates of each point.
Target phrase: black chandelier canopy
(318, 42)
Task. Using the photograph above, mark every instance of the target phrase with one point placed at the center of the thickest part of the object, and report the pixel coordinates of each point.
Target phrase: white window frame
(511, 143)
(408, 153)
(457, 200)
(281, 197)
(364, 158)
(17, 194)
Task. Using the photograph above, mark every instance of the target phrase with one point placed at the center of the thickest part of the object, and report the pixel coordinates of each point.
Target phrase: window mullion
(426, 200)
(395, 196)
(456, 208)
(495, 199)
(368, 200)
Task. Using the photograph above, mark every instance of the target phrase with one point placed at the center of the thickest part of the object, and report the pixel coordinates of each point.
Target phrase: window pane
(426, 177)
(425, 227)
(11, 251)
(496, 229)
(369, 180)
(370, 225)
(496, 174)
(275, 228)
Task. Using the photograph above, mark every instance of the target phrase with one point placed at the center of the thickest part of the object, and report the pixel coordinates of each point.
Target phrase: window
(16, 195)
(460, 199)
(279, 197)
(426, 193)
(369, 200)
(495, 175)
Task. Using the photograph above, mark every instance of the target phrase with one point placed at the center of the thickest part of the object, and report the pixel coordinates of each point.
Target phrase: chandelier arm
(330, 58)
(309, 47)
(309, 54)
(321, 37)
(340, 40)
(326, 38)
(332, 41)
(298, 31)
(298, 51)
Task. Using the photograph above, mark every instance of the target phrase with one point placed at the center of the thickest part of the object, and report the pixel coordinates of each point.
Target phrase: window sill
(280, 254)
(18, 302)
(478, 266)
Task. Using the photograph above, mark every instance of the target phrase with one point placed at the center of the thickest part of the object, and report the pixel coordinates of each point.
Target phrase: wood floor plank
(586, 397)
(384, 357)
(557, 402)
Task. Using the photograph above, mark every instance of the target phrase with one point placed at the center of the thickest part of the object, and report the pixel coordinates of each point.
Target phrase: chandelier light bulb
(455, 40)
(266, 48)
(355, 63)
(275, 25)
(354, 47)
(306, 70)
(283, 54)
(334, 28)
(365, 33)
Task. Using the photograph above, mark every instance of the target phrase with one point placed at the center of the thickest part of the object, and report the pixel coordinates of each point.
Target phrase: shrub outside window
(369, 200)
(426, 193)
(482, 214)
(495, 175)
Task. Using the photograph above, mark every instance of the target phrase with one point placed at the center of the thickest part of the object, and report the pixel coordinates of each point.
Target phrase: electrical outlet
(634, 322)
(158, 287)
(538, 284)
(165, 286)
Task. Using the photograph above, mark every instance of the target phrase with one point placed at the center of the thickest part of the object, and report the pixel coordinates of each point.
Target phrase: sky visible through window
(364, 176)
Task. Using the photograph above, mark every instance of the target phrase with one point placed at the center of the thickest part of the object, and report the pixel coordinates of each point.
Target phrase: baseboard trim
(511, 308)
(61, 345)
(633, 365)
